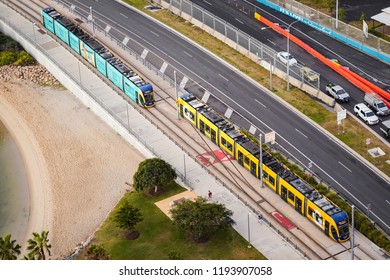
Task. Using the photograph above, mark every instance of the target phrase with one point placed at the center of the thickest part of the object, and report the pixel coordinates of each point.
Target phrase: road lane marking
(387, 201)
(155, 33)
(346, 167)
(207, 2)
(226, 79)
(187, 53)
(271, 42)
(123, 15)
(301, 133)
(260, 103)
(238, 20)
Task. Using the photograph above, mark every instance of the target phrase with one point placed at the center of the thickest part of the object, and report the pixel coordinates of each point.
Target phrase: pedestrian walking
(210, 194)
(260, 217)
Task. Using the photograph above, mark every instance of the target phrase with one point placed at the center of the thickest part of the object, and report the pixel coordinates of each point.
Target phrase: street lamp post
(249, 233)
(288, 53)
(337, 14)
(177, 97)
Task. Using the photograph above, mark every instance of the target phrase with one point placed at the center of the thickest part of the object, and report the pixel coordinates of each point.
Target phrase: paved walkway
(152, 142)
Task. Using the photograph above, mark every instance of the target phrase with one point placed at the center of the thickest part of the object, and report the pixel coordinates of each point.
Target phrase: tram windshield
(343, 228)
(148, 95)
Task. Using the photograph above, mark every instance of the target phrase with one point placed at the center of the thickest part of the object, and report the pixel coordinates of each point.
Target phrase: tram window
(310, 212)
(265, 175)
(188, 114)
(229, 146)
(246, 160)
(334, 232)
(207, 129)
(272, 180)
(223, 141)
(291, 196)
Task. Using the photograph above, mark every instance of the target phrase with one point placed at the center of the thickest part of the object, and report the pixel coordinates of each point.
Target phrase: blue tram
(291, 188)
(126, 79)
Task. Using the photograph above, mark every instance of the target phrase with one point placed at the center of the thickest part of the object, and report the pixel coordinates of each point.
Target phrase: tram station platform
(269, 236)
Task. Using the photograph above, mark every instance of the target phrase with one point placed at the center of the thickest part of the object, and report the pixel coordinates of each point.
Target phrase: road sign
(341, 115)
(269, 137)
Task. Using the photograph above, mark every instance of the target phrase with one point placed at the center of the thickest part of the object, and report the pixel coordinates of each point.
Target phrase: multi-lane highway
(346, 173)
(239, 13)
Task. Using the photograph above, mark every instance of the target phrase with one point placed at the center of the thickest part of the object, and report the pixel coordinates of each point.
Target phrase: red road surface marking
(283, 220)
(212, 158)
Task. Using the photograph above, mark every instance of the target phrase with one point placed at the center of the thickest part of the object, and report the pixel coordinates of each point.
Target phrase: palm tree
(38, 245)
(8, 249)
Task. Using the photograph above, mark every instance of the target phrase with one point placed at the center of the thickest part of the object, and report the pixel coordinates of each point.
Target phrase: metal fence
(235, 38)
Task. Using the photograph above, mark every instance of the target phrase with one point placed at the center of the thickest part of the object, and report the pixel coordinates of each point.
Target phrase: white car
(285, 57)
(366, 114)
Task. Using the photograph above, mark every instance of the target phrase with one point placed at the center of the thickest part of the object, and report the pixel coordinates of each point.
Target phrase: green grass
(159, 238)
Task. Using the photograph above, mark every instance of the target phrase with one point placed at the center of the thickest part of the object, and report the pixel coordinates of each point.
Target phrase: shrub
(7, 57)
(23, 58)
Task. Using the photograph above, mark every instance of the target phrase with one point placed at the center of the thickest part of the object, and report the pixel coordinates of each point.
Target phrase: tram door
(283, 193)
(213, 136)
(240, 158)
(201, 126)
(253, 168)
(298, 204)
(326, 227)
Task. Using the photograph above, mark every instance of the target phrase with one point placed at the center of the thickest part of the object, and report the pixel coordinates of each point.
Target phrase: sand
(78, 168)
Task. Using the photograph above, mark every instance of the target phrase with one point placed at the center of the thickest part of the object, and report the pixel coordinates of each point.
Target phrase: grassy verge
(12, 52)
(159, 240)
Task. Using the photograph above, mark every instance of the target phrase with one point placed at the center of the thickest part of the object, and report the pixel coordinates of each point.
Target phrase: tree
(38, 245)
(153, 172)
(8, 249)
(199, 220)
(127, 217)
(97, 252)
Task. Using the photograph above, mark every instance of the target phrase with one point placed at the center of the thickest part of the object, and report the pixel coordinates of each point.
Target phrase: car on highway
(286, 58)
(337, 92)
(366, 114)
(309, 74)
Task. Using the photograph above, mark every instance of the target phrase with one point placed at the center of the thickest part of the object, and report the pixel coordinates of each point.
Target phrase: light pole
(288, 53)
(177, 97)
(337, 14)
(249, 233)
(261, 162)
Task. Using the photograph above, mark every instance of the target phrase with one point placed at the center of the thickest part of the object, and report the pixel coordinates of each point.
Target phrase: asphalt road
(337, 166)
(373, 70)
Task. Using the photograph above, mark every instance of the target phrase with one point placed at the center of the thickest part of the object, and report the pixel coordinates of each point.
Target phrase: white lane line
(123, 15)
(226, 79)
(238, 20)
(387, 201)
(187, 53)
(301, 133)
(260, 103)
(155, 33)
(346, 167)
(207, 2)
(271, 42)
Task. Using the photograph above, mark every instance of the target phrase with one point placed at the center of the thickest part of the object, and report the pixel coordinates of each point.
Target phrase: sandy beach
(78, 168)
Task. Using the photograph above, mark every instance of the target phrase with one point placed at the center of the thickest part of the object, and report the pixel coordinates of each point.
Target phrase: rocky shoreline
(34, 73)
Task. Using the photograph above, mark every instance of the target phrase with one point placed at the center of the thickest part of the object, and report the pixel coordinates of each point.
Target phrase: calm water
(14, 196)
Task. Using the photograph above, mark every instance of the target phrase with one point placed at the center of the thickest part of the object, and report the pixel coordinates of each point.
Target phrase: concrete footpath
(131, 124)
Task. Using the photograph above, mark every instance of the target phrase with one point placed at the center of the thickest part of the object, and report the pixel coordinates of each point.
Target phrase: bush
(23, 59)
(7, 44)
(7, 57)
